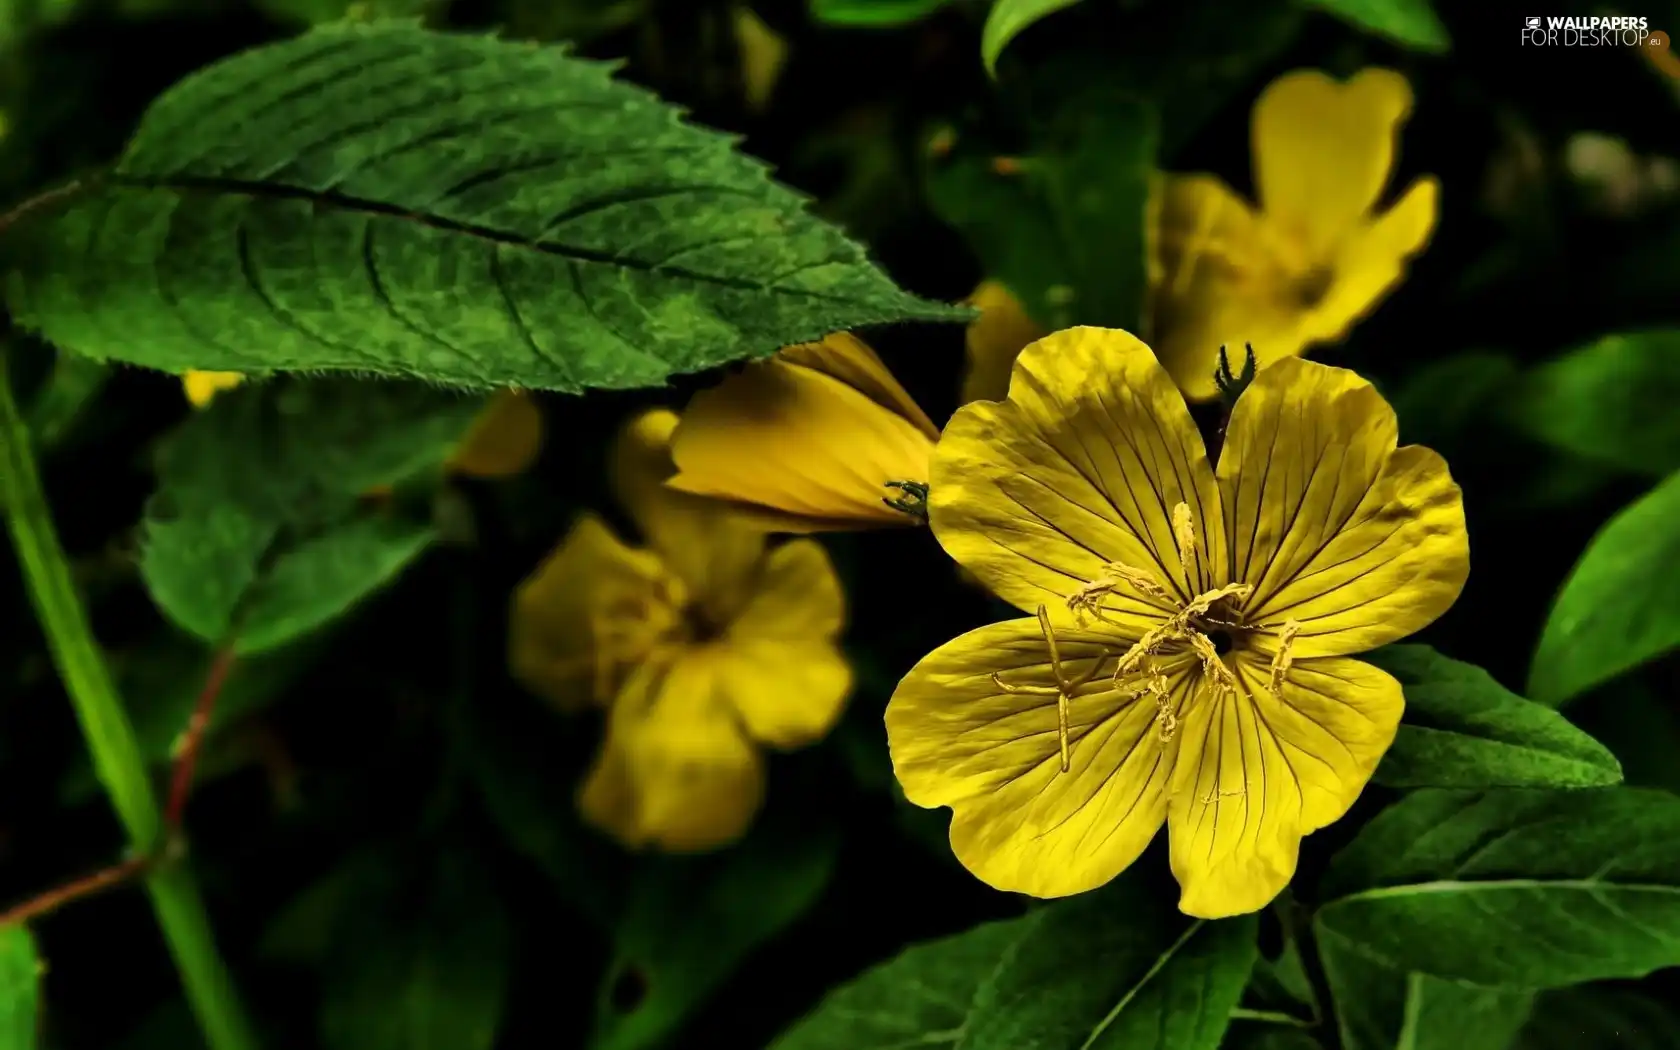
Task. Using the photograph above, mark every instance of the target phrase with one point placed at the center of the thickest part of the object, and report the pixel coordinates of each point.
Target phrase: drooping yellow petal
(202, 387)
(1082, 466)
(713, 551)
(800, 442)
(1256, 772)
(1221, 278)
(590, 610)
(851, 360)
(994, 340)
(1335, 528)
(503, 441)
(1019, 823)
(1373, 261)
(674, 770)
(1323, 151)
(779, 666)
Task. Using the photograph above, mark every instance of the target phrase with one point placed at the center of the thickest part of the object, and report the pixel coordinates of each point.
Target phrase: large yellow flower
(818, 437)
(504, 440)
(1187, 660)
(702, 646)
(1314, 258)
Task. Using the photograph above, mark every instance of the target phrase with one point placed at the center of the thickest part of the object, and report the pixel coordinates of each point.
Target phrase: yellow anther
(1088, 599)
(1214, 795)
(1212, 665)
(1201, 603)
(1184, 531)
(1285, 653)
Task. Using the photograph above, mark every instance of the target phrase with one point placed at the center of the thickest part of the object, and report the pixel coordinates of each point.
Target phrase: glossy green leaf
(385, 200)
(1382, 1008)
(20, 989)
(1462, 729)
(1063, 228)
(1620, 607)
(1611, 401)
(1412, 23)
(257, 530)
(1513, 889)
(688, 923)
(1263, 1036)
(874, 13)
(1008, 19)
(421, 966)
(1590, 1016)
(1108, 970)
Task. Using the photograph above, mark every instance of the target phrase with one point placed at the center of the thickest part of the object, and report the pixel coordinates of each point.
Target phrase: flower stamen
(1284, 657)
(1184, 532)
(1063, 689)
(1212, 665)
(1088, 599)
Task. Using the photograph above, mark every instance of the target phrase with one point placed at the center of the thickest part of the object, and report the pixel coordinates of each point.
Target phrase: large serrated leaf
(387, 200)
(1110, 970)
(1513, 889)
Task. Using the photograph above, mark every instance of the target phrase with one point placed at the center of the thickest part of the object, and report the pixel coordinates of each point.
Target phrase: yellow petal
(593, 607)
(1083, 465)
(994, 340)
(714, 552)
(202, 387)
(1019, 823)
(795, 440)
(674, 771)
(1360, 542)
(1220, 278)
(850, 360)
(504, 440)
(781, 670)
(1256, 772)
(1323, 151)
(1373, 261)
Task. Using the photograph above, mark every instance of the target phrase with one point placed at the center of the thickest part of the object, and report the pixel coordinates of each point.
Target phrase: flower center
(1221, 639)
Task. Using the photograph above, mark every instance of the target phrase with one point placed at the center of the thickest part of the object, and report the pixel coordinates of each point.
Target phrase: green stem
(110, 737)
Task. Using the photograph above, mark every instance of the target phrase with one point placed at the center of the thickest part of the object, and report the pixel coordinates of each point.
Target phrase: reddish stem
(87, 886)
(192, 740)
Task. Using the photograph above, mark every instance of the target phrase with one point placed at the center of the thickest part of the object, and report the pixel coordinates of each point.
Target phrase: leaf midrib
(349, 203)
(1455, 886)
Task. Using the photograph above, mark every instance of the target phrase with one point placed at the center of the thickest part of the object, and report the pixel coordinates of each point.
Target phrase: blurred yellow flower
(1188, 660)
(762, 52)
(995, 339)
(503, 442)
(807, 441)
(1315, 257)
(702, 646)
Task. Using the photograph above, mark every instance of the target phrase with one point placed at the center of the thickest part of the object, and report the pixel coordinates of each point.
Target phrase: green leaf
(1612, 401)
(1576, 1018)
(1381, 1008)
(304, 931)
(874, 13)
(1006, 21)
(688, 923)
(1462, 729)
(1108, 970)
(1412, 23)
(1261, 1036)
(424, 966)
(391, 201)
(1066, 231)
(257, 529)
(320, 12)
(20, 989)
(1619, 607)
(1513, 889)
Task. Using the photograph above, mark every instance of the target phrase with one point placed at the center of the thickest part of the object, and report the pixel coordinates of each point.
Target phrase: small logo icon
(1533, 23)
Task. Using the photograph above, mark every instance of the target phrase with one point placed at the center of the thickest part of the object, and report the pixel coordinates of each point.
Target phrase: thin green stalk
(110, 737)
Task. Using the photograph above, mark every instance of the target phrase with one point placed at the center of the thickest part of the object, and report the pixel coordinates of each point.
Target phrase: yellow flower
(1188, 660)
(1314, 258)
(202, 387)
(995, 339)
(703, 646)
(503, 442)
(806, 441)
